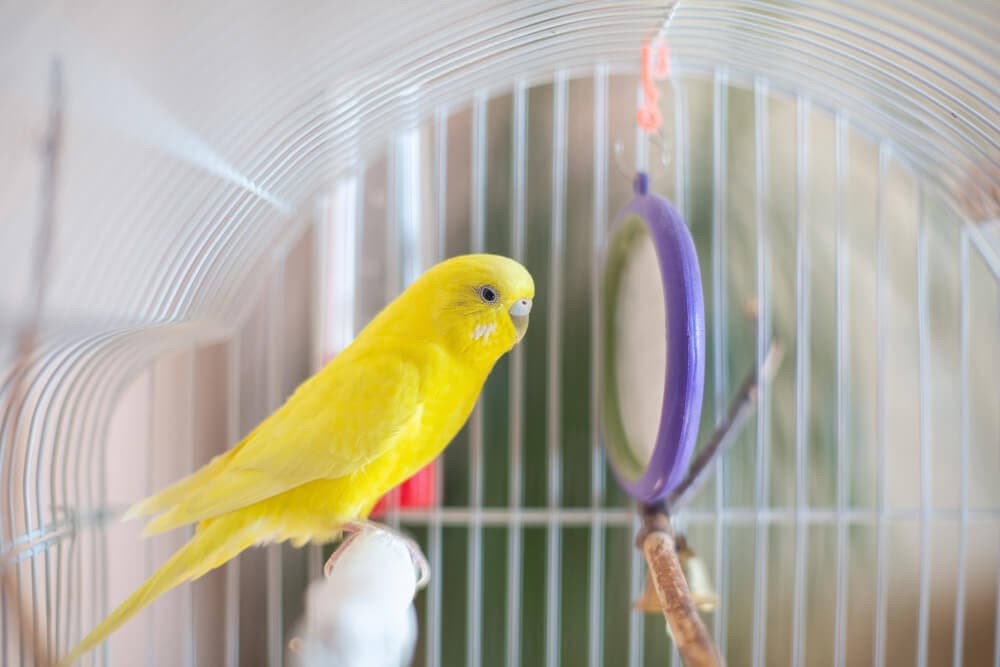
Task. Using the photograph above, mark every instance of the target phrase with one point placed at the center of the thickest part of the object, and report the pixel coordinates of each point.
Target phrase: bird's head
(480, 304)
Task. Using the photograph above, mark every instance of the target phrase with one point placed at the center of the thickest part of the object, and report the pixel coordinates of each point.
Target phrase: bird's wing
(335, 423)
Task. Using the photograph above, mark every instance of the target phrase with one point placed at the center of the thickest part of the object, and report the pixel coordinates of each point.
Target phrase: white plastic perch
(361, 613)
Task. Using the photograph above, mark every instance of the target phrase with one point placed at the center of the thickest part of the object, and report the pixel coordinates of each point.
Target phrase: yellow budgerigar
(377, 413)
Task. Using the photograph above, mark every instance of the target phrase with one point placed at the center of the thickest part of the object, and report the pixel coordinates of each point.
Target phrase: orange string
(655, 67)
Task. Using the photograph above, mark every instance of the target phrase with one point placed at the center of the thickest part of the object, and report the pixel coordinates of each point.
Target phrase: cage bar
(232, 620)
(761, 532)
(881, 576)
(682, 163)
(720, 139)
(595, 634)
(275, 374)
(964, 436)
(842, 260)
(636, 578)
(996, 627)
(519, 132)
(475, 546)
(926, 457)
(802, 373)
(554, 358)
(434, 536)
(147, 548)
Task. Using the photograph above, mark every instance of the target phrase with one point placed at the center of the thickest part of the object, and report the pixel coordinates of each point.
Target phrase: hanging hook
(655, 66)
(623, 169)
(659, 139)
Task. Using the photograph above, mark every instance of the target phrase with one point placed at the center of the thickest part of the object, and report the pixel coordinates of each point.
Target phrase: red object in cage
(417, 492)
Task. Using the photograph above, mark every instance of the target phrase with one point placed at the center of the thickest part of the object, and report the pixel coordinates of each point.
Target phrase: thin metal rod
(926, 454)
(275, 368)
(843, 366)
(393, 269)
(996, 627)
(474, 586)
(680, 139)
(583, 516)
(802, 370)
(514, 555)
(636, 577)
(232, 637)
(15, 607)
(566, 517)
(70, 564)
(554, 375)
(407, 210)
(190, 630)
(595, 627)
(761, 533)
(434, 538)
(720, 136)
(725, 433)
(881, 559)
(147, 547)
(964, 444)
(987, 251)
(95, 582)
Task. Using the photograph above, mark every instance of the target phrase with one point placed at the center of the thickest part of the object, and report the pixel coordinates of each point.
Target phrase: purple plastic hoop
(684, 383)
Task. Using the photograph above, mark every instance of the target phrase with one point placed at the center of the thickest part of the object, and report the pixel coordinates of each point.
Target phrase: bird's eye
(488, 294)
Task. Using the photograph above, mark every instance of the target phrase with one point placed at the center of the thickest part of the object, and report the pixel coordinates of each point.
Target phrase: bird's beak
(519, 316)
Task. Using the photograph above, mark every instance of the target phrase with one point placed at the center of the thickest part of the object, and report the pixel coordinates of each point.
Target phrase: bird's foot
(416, 555)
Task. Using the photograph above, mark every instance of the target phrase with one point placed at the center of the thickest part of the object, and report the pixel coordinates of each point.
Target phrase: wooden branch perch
(656, 540)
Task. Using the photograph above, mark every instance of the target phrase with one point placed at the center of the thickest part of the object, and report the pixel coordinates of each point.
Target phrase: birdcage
(202, 202)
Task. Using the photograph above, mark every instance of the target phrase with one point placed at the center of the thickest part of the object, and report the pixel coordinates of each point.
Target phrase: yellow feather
(212, 545)
(377, 413)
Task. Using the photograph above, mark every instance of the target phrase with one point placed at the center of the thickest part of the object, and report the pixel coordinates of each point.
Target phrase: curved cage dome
(194, 134)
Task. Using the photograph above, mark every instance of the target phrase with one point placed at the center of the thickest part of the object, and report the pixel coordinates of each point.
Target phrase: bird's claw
(416, 555)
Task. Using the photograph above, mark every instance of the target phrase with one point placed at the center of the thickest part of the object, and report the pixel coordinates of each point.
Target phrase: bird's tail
(182, 489)
(215, 542)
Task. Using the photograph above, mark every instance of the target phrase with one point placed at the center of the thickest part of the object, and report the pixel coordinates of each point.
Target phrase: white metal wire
(761, 225)
(189, 609)
(519, 132)
(275, 372)
(474, 587)
(554, 356)
(595, 647)
(433, 626)
(843, 365)
(923, 331)
(233, 435)
(963, 490)
(720, 135)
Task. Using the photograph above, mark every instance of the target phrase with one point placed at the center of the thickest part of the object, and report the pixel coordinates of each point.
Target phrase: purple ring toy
(684, 384)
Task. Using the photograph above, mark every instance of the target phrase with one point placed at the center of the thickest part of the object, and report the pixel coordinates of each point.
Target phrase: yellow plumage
(378, 412)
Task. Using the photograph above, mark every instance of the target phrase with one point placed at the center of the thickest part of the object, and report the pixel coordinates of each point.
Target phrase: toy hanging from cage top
(648, 474)
(653, 464)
